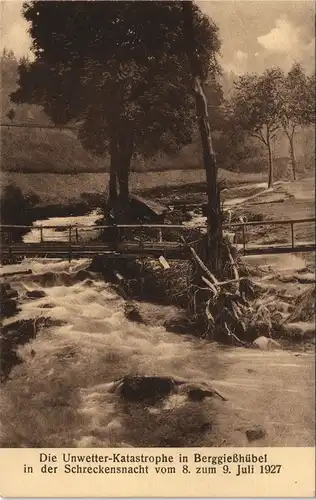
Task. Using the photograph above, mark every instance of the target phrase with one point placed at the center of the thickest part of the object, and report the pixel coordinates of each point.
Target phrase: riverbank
(56, 189)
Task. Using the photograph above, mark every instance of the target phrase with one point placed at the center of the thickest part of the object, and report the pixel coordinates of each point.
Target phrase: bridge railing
(74, 234)
(80, 234)
(285, 222)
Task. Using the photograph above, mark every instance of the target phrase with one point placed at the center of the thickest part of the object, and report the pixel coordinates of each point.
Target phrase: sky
(255, 34)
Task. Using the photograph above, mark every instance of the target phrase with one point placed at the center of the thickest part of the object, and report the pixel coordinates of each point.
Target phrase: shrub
(16, 209)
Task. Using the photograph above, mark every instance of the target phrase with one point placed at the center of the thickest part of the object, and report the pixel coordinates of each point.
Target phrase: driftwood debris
(15, 273)
(224, 312)
(214, 284)
(164, 263)
(234, 267)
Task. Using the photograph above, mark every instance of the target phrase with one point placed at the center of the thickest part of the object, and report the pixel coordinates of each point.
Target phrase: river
(62, 392)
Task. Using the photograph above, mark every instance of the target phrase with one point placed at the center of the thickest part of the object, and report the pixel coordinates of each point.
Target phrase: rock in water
(132, 313)
(35, 294)
(8, 308)
(197, 394)
(6, 292)
(146, 389)
(179, 323)
(8, 296)
(265, 344)
(255, 433)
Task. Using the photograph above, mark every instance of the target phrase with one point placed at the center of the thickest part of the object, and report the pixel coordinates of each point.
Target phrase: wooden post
(292, 234)
(41, 231)
(160, 235)
(77, 235)
(10, 243)
(69, 255)
(243, 239)
(118, 239)
(141, 247)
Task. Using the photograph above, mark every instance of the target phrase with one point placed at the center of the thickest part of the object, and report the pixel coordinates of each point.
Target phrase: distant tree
(8, 64)
(233, 144)
(297, 110)
(119, 69)
(257, 107)
(11, 114)
(7, 54)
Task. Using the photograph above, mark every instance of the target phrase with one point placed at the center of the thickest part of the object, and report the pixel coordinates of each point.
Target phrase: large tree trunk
(270, 159)
(123, 170)
(214, 226)
(112, 194)
(112, 197)
(124, 165)
(293, 160)
(122, 176)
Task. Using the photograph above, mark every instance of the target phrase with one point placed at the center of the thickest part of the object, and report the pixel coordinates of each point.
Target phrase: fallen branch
(200, 262)
(220, 395)
(210, 285)
(235, 270)
(208, 313)
(220, 283)
(231, 334)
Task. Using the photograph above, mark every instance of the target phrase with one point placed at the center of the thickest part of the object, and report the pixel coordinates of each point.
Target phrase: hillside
(36, 150)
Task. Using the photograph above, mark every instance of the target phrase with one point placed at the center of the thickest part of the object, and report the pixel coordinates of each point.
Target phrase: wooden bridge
(74, 242)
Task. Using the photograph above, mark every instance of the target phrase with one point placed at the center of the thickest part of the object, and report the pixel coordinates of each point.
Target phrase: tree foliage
(297, 105)
(256, 107)
(273, 103)
(120, 70)
(9, 65)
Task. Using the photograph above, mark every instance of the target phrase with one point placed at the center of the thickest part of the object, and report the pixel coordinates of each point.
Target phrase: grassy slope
(61, 188)
(44, 150)
(59, 151)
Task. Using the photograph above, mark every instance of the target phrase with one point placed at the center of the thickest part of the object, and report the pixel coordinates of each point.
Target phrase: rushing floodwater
(61, 394)
(50, 234)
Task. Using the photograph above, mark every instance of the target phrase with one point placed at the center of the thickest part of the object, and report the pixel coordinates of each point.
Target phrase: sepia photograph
(157, 275)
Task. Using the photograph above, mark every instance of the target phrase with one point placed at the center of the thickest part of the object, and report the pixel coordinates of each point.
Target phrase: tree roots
(224, 308)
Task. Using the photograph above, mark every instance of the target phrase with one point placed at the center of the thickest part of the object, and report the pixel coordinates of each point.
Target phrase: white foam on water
(50, 234)
(90, 344)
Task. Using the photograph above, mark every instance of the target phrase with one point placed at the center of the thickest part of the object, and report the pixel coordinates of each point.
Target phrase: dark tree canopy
(120, 69)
